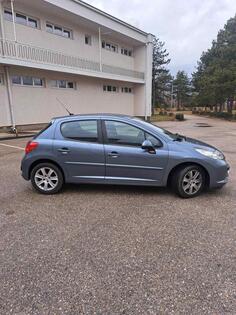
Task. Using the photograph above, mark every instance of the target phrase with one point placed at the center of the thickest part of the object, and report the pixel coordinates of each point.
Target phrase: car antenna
(63, 105)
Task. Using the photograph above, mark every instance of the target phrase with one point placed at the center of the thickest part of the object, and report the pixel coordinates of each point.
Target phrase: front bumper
(221, 175)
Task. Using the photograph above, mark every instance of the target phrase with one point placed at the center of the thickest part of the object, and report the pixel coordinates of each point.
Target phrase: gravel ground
(118, 250)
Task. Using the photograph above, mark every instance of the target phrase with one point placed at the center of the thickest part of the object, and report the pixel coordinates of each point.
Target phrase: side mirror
(149, 147)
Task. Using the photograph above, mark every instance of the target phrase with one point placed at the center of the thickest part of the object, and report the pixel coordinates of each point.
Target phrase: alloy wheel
(46, 178)
(192, 182)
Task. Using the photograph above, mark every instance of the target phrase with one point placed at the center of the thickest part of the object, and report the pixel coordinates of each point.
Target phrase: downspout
(148, 76)
(2, 23)
(145, 96)
(100, 48)
(13, 20)
(7, 76)
(10, 102)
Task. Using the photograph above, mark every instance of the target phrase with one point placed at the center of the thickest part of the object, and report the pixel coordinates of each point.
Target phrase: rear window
(84, 130)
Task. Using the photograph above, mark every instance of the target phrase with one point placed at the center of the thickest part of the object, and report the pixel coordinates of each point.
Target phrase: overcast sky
(186, 26)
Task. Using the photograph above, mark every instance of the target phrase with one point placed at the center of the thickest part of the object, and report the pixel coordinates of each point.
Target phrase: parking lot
(110, 250)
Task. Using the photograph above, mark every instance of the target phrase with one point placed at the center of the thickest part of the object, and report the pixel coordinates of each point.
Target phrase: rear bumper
(24, 175)
(25, 168)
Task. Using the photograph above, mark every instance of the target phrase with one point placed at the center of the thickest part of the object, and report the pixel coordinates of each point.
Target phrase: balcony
(31, 56)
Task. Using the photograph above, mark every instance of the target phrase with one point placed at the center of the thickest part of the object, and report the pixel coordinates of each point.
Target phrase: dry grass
(162, 118)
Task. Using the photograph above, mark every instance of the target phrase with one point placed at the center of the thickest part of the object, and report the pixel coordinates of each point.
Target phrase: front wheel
(189, 181)
(46, 178)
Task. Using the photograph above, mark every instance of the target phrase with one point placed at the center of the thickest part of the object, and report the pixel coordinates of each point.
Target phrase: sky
(186, 26)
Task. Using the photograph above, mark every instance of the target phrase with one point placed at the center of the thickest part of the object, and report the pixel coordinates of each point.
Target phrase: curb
(14, 138)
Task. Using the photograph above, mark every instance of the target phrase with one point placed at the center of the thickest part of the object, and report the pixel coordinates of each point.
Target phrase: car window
(125, 134)
(84, 130)
(154, 141)
(167, 133)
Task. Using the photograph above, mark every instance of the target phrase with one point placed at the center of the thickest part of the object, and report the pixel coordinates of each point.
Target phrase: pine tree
(160, 75)
(182, 89)
(215, 78)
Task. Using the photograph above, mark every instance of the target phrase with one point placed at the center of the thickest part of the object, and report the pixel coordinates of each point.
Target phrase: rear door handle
(64, 150)
(113, 154)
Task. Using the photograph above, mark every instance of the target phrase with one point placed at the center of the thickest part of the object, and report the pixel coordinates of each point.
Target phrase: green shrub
(179, 116)
(224, 115)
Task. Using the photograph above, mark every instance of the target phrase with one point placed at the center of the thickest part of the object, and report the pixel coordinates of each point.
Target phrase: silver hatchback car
(116, 149)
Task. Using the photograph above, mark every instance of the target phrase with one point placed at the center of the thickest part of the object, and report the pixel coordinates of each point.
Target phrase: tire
(47, 178)
(189, 181)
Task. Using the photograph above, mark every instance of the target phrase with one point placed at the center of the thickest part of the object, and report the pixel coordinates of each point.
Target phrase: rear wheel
(189, 181)
(46, 178)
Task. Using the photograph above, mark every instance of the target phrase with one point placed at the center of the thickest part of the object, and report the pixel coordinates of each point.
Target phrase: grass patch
(155, 118)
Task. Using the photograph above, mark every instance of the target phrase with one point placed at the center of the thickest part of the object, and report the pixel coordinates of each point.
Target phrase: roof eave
(89, 6)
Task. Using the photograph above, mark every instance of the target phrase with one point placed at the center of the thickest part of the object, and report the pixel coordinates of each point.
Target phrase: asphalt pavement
(112, 250)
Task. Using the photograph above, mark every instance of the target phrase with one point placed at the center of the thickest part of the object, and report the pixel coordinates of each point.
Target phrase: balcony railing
(25, 52)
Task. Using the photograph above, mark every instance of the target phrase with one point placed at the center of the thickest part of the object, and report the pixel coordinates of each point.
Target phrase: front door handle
(64, 150)
(113, 154)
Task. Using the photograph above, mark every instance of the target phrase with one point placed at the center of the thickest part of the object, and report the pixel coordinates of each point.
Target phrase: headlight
(216, 155)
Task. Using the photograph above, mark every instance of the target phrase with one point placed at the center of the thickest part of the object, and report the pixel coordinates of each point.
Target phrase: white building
(67, 51)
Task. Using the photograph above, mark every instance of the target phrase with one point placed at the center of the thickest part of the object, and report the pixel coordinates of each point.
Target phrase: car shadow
(120, 189)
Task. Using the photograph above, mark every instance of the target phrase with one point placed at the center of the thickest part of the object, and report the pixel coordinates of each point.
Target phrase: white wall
(38, 104)
(139, 100)
(75, 46)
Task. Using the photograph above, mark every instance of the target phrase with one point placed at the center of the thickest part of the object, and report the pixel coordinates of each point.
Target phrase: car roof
(95, 115)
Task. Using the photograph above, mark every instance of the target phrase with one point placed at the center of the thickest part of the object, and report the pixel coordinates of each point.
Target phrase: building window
(21, 19)
(127, 52)
(27, 81)
(8, 15)
(88, 40)
(70, 85)
(58, 30)
(110, 88)
(63, 84)
(16, 79)
(32, 23)
(126, 90)
(110, 46)
(66, 34)
(1, 79)
(49, 28)
(38, 82)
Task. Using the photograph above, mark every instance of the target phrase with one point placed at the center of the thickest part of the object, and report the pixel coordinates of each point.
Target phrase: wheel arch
(185, 164)
(35, 163)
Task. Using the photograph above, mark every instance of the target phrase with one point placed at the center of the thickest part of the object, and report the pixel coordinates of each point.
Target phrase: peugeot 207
(116, 149)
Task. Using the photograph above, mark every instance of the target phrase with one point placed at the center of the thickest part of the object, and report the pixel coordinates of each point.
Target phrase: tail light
(31, 145)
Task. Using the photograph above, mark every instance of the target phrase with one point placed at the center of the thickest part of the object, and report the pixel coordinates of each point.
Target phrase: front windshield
(167, 133)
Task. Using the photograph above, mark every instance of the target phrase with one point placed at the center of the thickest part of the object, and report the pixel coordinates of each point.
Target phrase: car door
(79, 148)
(126, 161)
